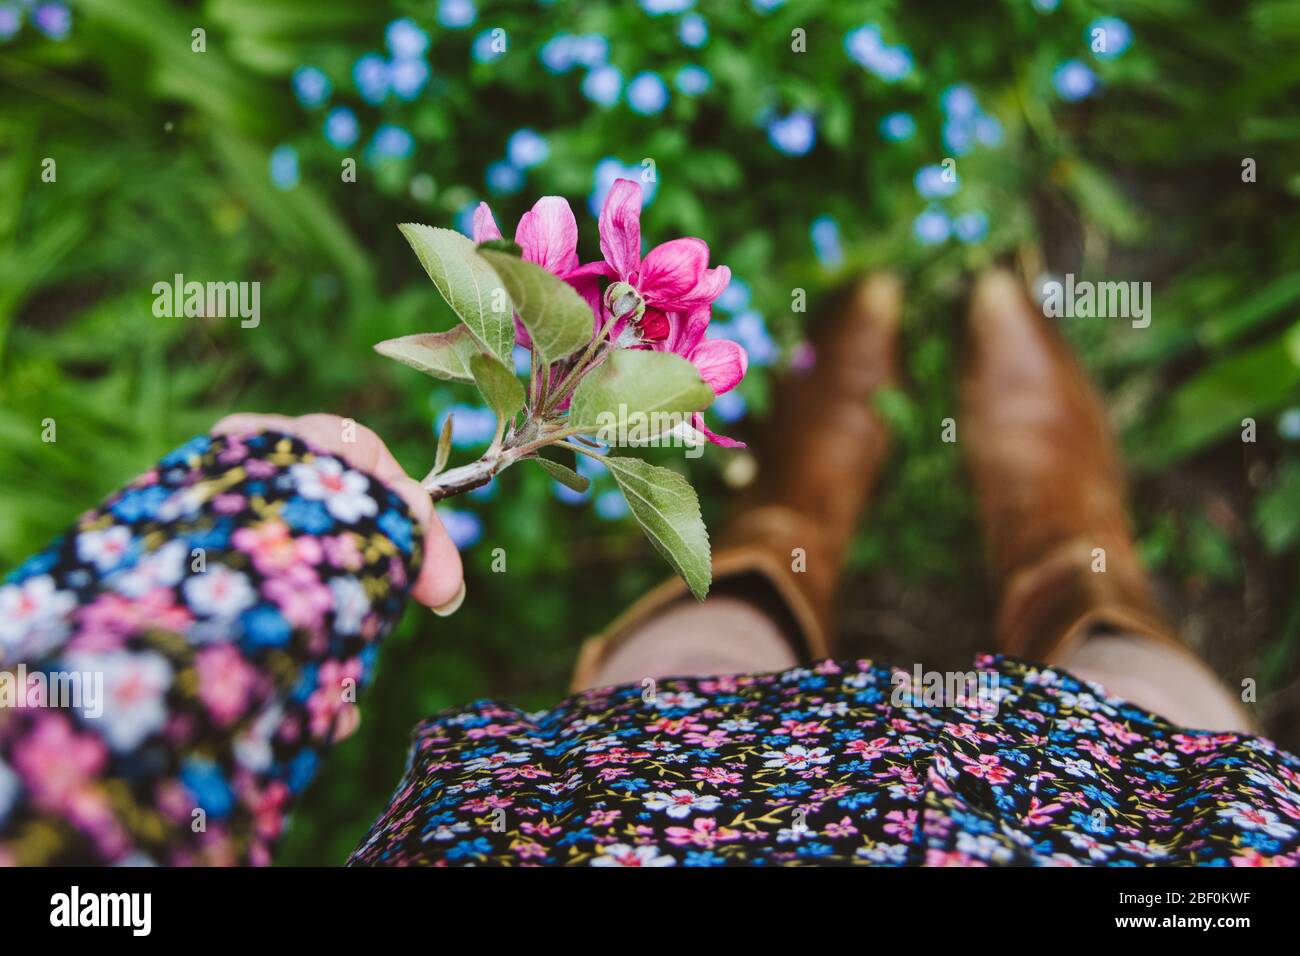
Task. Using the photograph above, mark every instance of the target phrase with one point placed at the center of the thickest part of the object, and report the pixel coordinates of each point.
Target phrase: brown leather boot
(817, 463)
(1049, 483)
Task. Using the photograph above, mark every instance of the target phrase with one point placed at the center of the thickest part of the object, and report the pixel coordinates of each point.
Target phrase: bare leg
(724, 635)
(1165, 679)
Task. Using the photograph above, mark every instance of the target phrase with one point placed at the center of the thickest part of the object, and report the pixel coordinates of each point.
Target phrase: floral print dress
(233, 600)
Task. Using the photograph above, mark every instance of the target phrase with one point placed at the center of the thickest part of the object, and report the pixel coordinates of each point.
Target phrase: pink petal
(620, 227)
(721, 363)
(588, 287)
(710, 286)
(673, 269)
(686, 330)
(485, 227)
(721, 441)
(548, 234)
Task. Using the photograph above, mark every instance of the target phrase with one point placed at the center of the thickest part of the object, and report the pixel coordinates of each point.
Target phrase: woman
(233, 599)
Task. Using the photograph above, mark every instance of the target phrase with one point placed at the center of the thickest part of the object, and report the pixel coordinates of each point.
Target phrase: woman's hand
(441, 582)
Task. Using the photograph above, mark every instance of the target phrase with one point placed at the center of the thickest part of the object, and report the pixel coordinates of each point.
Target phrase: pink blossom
(677, 289)
(548, 236)
(57, 762)
(225, 681)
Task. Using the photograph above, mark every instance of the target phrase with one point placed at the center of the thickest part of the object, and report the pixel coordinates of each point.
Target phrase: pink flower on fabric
(677, 288)
(548, 236)
(57, 762)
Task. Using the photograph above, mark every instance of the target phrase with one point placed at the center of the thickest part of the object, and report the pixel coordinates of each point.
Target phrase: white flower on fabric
(796, 757)
(342, 490)
(1254, 818)
(680, 803)
(9, 787)
(621, 854)
(668, 700)
(135, 694)
(253, 747)
(219, 592)
(33, 617)
(105, 548)
(160, 569)
(351, 604)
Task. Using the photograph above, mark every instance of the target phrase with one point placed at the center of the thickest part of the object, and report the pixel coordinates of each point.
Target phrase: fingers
(440, 583)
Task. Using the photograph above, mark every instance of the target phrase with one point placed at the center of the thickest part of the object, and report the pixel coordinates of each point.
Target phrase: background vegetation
(798, 168)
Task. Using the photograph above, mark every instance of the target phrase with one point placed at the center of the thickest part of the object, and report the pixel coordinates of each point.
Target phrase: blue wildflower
(1074, 81)
(284, 166)
(311, 86)
(370, 74)
(485, 48)
(658, 8)
(407, 78)
(603, 85)
(730, 407)
(1288, 424)
(795, 134)
(527, 148)
(693, 80)
(611, 505)
(456, 14)
(406, 40)
(825, 233)
(932, 226)
(473, 425)
(647, 94)
(971, 226)
(897, 127)
(391, 142)
(693, 31)
(464, 528)
(1114, 35)
(341, 127)
(504, 178)
(53, 19)
(867, 48)
(767, 6)
(932, 182)
(610, 169)
(11, 21)
(988, 131)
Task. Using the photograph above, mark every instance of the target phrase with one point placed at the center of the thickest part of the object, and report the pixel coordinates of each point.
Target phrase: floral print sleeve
(173, 668)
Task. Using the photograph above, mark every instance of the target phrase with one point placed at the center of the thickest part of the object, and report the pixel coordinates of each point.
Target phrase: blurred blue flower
(795, 134)
(611, 505)
(693, 31)
(734, 297)
(11, 21)
(988, 131)
(867, 48)
(465, 218)
(52, 19)
(959, 100)
(767, 6)
(568, 495)
(657, 8)
(693, 80)
(485, 492)
(341, 127)
(484, 49)
(504, 178)
(931, 182)
(473, 425)
(1114, 31)
(932, 226)
(527, 148)
(825, 233)
(1288, 424)
(465, 528)
(971, 226)
(391, 142)
(603, 85)
(647, 94)
(1074, 81)
(897, 127)
(562, 52)
(406, 40)
(284, 166)
(749, 330)
(456, 14)
(408, 78)
(522, 359)
(370, 74)
(610, 169)
(311, 86)
(959, 136)
(1046, 6)
(590, 50)
(730, 407)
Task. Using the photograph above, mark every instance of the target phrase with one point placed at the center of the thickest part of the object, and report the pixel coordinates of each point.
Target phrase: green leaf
(558, 320)
(468, 283)
(443, 355)
(633, 383)
(444, 447)
(502, 245)
(501, 390)
(565, 476)
(666, 507)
